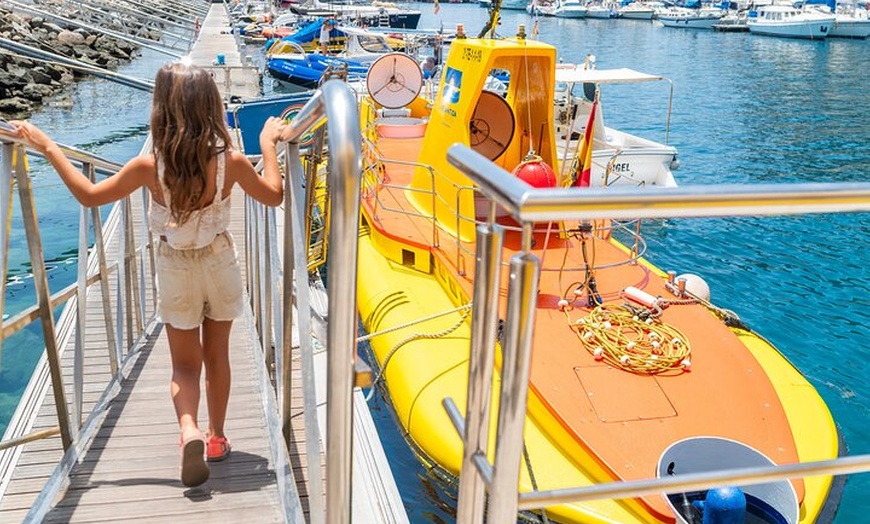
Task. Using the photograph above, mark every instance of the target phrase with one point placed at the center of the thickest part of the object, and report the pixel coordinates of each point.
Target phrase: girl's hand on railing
(7, 129)
(33, 135)
(272, 131)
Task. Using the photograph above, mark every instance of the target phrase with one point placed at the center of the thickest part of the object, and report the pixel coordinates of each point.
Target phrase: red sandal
(218, 449)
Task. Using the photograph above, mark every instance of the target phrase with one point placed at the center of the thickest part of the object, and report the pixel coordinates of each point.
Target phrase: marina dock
(123, 464)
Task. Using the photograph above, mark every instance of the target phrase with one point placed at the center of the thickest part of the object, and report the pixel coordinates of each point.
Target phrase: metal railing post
(294, 217)
(522, 301)
(484, 333)
(6, 226)
(43, 294)
(265, 256)
(81, 312)
(344, 182)
(289, 257)
(342, 117)
(106, 298)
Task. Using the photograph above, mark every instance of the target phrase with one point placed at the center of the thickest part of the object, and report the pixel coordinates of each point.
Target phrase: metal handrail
(529, 205)
(335, 105)
(93, 270)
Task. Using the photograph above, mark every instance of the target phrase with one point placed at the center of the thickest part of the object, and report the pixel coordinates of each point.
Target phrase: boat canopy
(572, 74)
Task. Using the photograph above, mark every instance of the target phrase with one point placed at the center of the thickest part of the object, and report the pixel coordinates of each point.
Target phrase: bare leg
(215, 342)
(186, 351)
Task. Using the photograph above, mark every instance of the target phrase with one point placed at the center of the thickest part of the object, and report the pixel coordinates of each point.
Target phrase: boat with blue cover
(297, 70)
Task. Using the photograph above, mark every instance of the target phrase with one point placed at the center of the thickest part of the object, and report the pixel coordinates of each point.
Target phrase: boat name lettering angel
(472, 55)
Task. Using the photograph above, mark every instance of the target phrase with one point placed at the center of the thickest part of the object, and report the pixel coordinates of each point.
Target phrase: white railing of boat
(527, 205)
(371, 189)
(372, 184)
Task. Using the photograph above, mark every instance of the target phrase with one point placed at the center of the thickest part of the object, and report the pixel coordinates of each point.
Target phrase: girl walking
(190, 174)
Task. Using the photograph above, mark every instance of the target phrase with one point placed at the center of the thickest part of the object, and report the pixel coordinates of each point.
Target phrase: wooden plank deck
(135, 455)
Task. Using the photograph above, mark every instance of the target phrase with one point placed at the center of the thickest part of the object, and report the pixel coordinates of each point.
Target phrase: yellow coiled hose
(620, 337)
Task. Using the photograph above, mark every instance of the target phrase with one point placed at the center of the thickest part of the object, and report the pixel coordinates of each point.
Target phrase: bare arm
(132, 176)
(269, 188)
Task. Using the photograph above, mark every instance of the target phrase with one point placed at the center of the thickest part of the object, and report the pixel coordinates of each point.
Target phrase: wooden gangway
(123, 464)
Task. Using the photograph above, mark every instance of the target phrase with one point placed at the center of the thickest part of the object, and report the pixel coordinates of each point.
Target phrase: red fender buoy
(535, 172)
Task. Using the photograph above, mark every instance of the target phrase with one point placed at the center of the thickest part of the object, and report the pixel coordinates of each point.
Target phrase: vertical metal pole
(43, 294)
(81, 314)
(129, 293)
(120, 292)
(136, 317)
(250, 249)
(342, 116)
(266, 263)
(105, 286)
(481, 359)
(141, 265)
(517, 352)
(6, 226)
(298, 209)
(275, 307)
(257, 275)
(290, 249)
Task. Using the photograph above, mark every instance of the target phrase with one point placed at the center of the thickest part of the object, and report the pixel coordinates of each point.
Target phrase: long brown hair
(188, 129)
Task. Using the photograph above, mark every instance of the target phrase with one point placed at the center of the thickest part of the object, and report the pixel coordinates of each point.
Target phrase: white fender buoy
(696, 286)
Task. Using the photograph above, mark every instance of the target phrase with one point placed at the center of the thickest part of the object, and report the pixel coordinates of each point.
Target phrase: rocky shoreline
(27, 84)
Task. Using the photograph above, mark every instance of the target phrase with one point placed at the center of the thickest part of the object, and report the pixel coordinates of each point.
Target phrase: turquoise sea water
(747, 109)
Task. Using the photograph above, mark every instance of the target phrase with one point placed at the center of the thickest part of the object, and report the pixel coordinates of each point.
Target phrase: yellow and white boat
(630, 377)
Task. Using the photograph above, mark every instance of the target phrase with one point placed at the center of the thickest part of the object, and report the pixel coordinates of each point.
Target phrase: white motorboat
(600, 11)
(851, 21)
(636, 11)
(790, 22)
(541, 8)
(703, 18)
(570, 9)
(518, 5)
(618, 157)
(854, 24)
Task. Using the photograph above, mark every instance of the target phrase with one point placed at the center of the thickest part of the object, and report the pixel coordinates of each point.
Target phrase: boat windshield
(373, 44)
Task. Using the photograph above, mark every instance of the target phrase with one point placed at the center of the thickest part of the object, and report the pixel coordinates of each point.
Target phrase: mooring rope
(417, 336)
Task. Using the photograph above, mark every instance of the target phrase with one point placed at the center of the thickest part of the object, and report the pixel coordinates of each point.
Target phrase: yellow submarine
(598, 411)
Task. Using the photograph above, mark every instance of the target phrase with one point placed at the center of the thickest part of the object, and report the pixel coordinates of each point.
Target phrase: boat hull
(814, 30)
(300, 74)
(424, 372)
(688, 22)
(859, 29)
(571, 13)
(601, 14)
(516, 5)
(636, 15)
